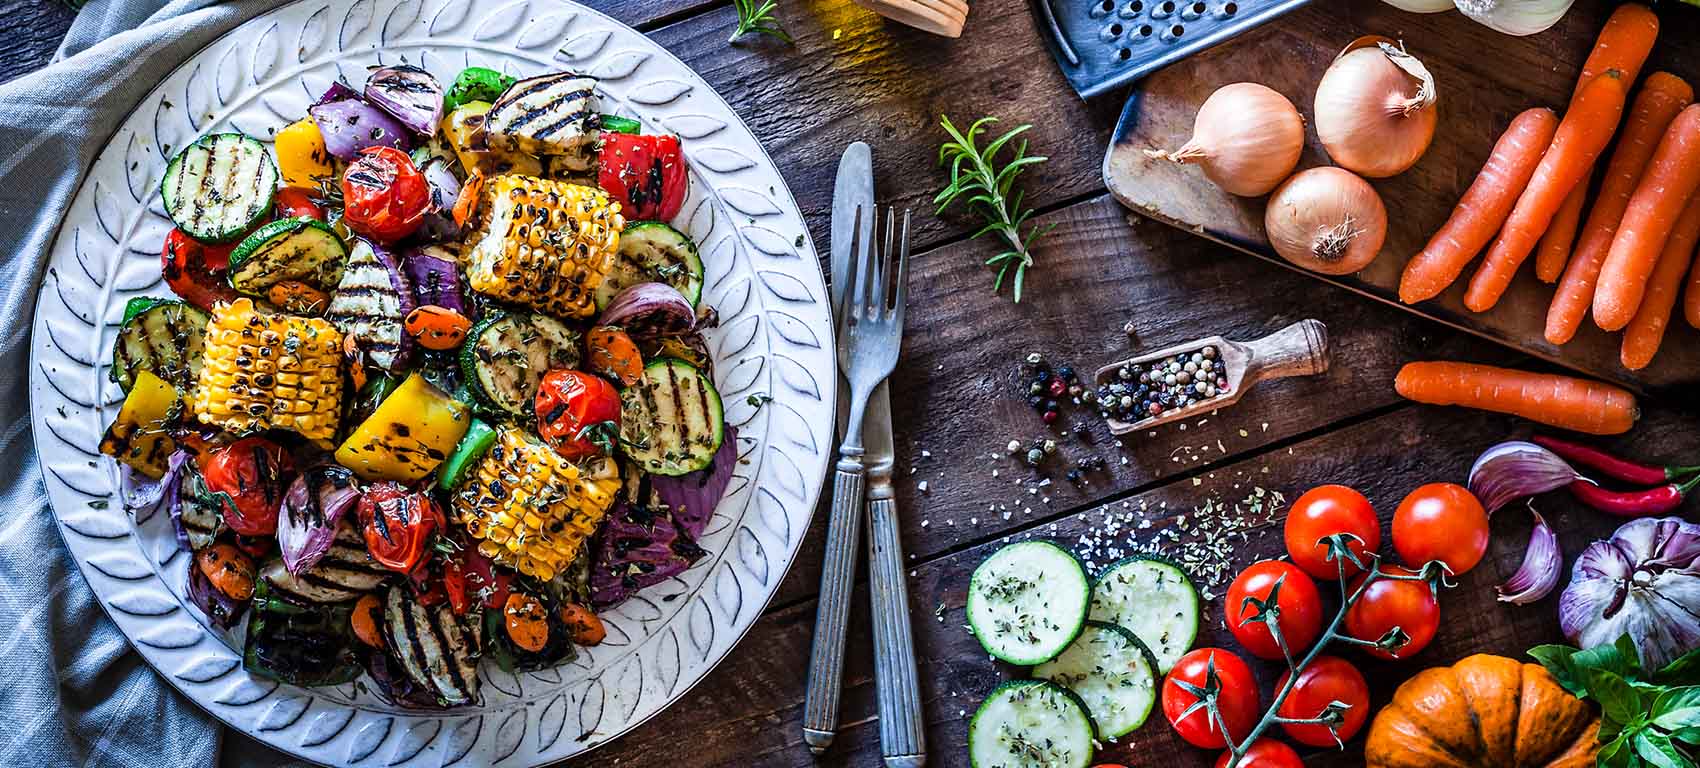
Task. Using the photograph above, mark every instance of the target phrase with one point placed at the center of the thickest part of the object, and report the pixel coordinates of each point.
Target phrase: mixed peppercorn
(1147, 390)
(1048, 391)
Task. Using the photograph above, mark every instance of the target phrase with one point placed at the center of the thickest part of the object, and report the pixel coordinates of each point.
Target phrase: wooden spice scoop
(1300, 349)
(940, 17)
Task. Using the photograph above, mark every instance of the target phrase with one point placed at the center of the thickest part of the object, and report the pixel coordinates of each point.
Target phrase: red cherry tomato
(1298, 602)
(1264, 753)
(1328, 679)
(384, 197)
(1387, 603)
(1236, 697)
(1324, 511)
(576, 409)
(252, 474)
(1441, 521)
(645, 174)
(292, 202)
(195, 271)
(398, 526)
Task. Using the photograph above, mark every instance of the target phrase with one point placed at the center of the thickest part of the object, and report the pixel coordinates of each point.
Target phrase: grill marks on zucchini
(548, 115)
(671, 421)
(346, 572)
(163, 337)
(436, 649)
(301, 249)
(652, 251)
(219, 186)
(506, 355)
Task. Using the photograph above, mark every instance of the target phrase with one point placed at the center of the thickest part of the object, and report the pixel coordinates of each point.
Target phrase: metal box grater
(1103, 44)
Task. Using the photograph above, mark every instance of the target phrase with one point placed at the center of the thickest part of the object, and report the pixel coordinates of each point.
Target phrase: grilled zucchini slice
(302, 248)
(671, 420)
(219, 187)
(506, 355)
(437, 649)
(653, 252)
(162, 336)
(371, 301)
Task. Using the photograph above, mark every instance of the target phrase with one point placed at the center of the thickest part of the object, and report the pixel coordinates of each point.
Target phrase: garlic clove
(1516, 17)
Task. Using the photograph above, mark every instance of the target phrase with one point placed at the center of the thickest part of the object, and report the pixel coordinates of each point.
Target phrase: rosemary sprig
(758, 19)
(974, 172)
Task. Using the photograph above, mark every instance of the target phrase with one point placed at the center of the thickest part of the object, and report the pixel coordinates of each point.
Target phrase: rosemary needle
(758, 19)
(974, 172)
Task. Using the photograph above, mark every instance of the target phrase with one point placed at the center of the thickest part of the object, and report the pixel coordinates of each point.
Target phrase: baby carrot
(1559, 401)
(1623, 44)
(1582, 135)
(1661, 98)
(1483, 208)
(1659, 198)
(1646, 330)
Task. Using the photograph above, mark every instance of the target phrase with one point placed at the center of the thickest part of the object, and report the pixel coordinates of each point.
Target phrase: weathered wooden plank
(1479, 94)
(748, 712)
(30, 31)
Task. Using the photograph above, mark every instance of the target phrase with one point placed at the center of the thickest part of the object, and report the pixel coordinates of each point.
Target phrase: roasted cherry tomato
(228, 569)
(527, 622)
(398, 525)
(437, 327)
(368, 615)
(1324, 511)
(292, 202)
(1387, 603)
(1441, 521)
(645, 174)
(252, 474)
(1264, 753)
(195, 271)
(1236, 697)
(384, 197)
(577, 412)
(1298, 603)
(611, 353)
(1328, 679)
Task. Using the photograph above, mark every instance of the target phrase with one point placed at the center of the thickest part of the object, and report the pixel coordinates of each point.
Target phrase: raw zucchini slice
(650, 252)
(1152, 598)
(161, 336)
(219, 187)
(303, 249)
(1112, 672)
(1027, 601)
(1030, 724)
(506, 355)
(671, 420)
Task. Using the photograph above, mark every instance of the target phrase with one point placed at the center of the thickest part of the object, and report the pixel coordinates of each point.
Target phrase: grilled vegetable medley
(432, 387)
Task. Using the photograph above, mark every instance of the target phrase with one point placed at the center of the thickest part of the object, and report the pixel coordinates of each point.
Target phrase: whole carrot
(1691, 302)
(1659, 198)
(1483, 208)
(1661, 98)
(1641, 338)
(1565, 402)
(1624, 44)
(1582, 135)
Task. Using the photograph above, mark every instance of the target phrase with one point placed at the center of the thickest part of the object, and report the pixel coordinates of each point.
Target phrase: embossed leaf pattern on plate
(761, 275)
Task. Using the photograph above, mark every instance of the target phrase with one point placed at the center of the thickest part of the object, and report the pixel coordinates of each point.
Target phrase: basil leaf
(1677, 708)
(1559, 660)
(1619, 702)
(1689, 735)
(1683, 671)
(1616, 754)
(1657, 749)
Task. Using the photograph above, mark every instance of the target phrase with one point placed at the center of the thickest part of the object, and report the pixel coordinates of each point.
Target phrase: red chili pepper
(1615, 467)
(1646, 502)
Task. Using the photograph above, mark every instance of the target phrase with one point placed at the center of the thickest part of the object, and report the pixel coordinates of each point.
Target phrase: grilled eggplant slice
(219, 187)
(436, 649)
(162, 337)
(302, 249)
(671, 420)
(506, 355)
(306, 645)
(346, 572)
(370, 304)
(548, 115)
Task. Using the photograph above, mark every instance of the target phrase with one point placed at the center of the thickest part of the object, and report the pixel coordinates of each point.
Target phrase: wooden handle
(940, 17)
(1300, 349)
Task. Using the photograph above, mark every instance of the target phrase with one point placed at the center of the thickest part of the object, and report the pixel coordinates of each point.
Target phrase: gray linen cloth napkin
(72, 692)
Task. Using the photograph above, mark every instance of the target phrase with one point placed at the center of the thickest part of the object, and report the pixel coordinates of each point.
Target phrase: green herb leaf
(976, 179)
(1656, 748)
(758, 19)
(1684, 671)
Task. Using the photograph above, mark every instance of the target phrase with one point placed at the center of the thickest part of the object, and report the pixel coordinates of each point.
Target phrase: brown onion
(1375, 108)
(1327, 220)
(1246, 137)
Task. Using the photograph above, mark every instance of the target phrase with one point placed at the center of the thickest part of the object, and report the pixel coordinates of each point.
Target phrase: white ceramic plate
(774, 340)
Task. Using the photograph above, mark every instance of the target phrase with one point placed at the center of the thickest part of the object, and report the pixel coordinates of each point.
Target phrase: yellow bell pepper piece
(138, 436)
(462, 126)
(410, 433)
(302, 159)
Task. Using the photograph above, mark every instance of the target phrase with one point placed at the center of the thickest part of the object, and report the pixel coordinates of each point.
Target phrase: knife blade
(852, 228)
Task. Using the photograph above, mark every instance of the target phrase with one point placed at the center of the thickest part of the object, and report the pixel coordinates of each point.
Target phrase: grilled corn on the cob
(266, 371)
(530, 507)
(544, 244)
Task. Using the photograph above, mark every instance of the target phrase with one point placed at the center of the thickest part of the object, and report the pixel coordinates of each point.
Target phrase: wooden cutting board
(1484, 79)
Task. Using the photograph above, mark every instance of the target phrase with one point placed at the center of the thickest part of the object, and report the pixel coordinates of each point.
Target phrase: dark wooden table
(853, 76)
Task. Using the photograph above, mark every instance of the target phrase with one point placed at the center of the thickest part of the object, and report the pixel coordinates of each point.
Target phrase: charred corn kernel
(544, 244)
(530, 507)
(410, 433)
(266, 371)
(138, 436)
(302, 159)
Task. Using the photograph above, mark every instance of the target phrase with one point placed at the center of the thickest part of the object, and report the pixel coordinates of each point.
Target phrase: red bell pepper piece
(645, 174)
(195, 270)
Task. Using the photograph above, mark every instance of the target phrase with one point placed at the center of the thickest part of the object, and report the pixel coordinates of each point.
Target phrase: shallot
(1326, 220)
(1375, 108)
(1246, 137)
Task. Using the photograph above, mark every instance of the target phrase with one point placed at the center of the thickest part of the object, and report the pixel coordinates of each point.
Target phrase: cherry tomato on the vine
(1387, 603)
(1328, 679)
(578, 413)
(1441, 521)
(1298, 602)
(1236, 697)
(195, 270)
(398, 526)
(292, 202)
(384, 196)
(1264, 753)
(1324, 511)
(253, 473)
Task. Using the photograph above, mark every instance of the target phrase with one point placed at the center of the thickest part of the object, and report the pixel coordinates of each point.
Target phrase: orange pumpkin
(1483, 712)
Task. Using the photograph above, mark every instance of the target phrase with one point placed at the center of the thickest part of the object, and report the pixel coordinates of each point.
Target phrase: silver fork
(869, 336)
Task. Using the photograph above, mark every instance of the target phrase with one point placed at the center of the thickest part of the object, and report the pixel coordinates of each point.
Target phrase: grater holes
(1124, 54)
(1173, 33)
(1145, 30)
(1132, 9)
(1229, 9)
(1115, 30)
(1163, 10)
(1193, 11)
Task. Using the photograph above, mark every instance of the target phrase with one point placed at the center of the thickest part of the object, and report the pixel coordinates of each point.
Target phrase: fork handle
(902, 742)
(826, 657)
